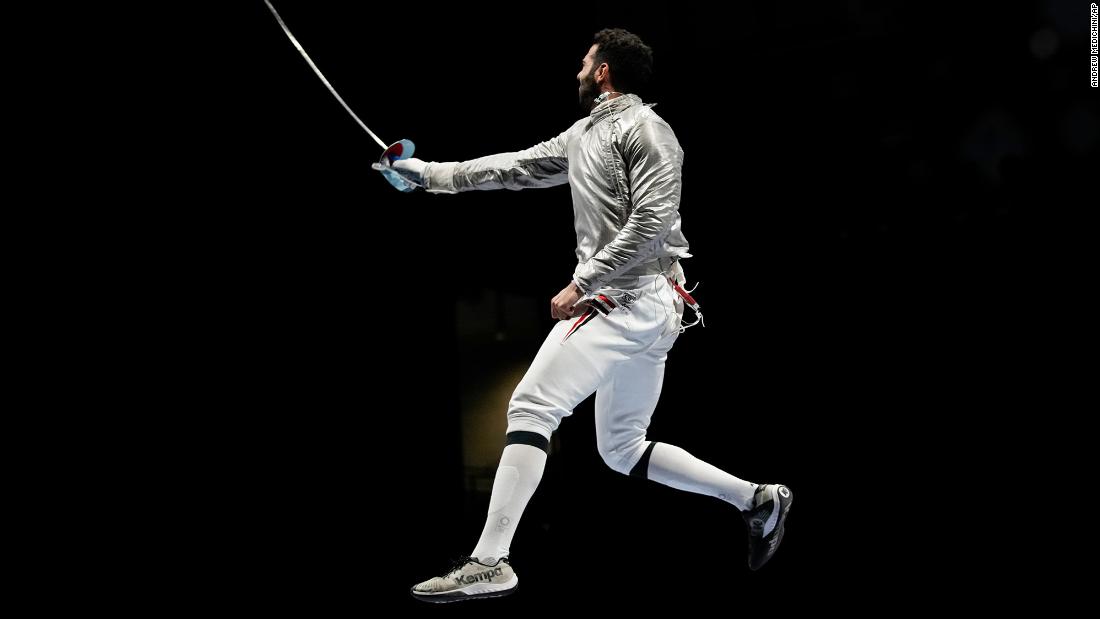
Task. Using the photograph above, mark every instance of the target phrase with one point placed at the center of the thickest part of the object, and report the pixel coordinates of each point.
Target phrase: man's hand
(412, 169)
(561, 306)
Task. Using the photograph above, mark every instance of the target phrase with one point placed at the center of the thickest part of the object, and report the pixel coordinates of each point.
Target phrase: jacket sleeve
(653, 159)
(543, 165)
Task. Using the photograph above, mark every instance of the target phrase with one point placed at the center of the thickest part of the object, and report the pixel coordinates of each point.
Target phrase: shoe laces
(457, 564)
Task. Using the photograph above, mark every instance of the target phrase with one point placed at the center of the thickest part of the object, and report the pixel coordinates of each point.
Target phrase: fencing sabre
(402, 149)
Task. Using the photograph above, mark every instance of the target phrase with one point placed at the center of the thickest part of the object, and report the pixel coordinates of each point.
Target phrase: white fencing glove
(411, 169)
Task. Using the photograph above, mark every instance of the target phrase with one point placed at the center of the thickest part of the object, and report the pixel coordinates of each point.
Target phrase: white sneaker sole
(479, 590)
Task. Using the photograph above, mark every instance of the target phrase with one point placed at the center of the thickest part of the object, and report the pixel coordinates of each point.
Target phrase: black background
(869, 192)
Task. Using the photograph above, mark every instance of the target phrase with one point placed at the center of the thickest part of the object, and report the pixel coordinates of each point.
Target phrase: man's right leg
(518, 476)
(487, 572)
(565, 371)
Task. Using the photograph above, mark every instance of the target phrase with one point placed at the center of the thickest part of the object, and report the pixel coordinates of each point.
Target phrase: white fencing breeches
(619, 356)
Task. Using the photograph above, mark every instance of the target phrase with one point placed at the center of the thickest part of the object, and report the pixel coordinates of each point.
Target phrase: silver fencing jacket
(622, 164)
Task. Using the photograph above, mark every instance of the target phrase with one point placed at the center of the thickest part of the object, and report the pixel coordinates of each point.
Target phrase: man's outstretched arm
(543, 165)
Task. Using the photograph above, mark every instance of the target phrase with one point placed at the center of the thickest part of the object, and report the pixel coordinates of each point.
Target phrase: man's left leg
(624, 406)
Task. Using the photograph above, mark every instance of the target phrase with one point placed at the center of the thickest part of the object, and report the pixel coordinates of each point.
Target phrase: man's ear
(606, 69)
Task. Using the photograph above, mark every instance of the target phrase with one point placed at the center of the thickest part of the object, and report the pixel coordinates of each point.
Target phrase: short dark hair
(630, 59)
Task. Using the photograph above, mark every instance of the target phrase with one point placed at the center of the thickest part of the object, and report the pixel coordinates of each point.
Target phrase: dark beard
(588, 92)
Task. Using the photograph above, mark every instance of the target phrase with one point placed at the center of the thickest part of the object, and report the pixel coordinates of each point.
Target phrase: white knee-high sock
(517, 477)
(672, 466)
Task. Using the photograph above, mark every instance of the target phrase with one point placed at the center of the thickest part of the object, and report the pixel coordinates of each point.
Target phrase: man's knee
(530, 421)
(527, 412)
(628, 458)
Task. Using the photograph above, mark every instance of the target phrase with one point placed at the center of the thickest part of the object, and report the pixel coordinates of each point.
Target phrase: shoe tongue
(759, 497)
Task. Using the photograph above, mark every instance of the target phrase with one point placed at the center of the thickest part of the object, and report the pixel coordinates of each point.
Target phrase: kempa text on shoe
(486, 575)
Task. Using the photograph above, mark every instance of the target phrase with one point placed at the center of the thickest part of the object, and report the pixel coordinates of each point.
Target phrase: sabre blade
(302, 51)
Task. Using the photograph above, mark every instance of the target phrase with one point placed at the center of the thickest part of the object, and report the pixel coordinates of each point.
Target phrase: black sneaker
(765, 520)
(469, 579)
